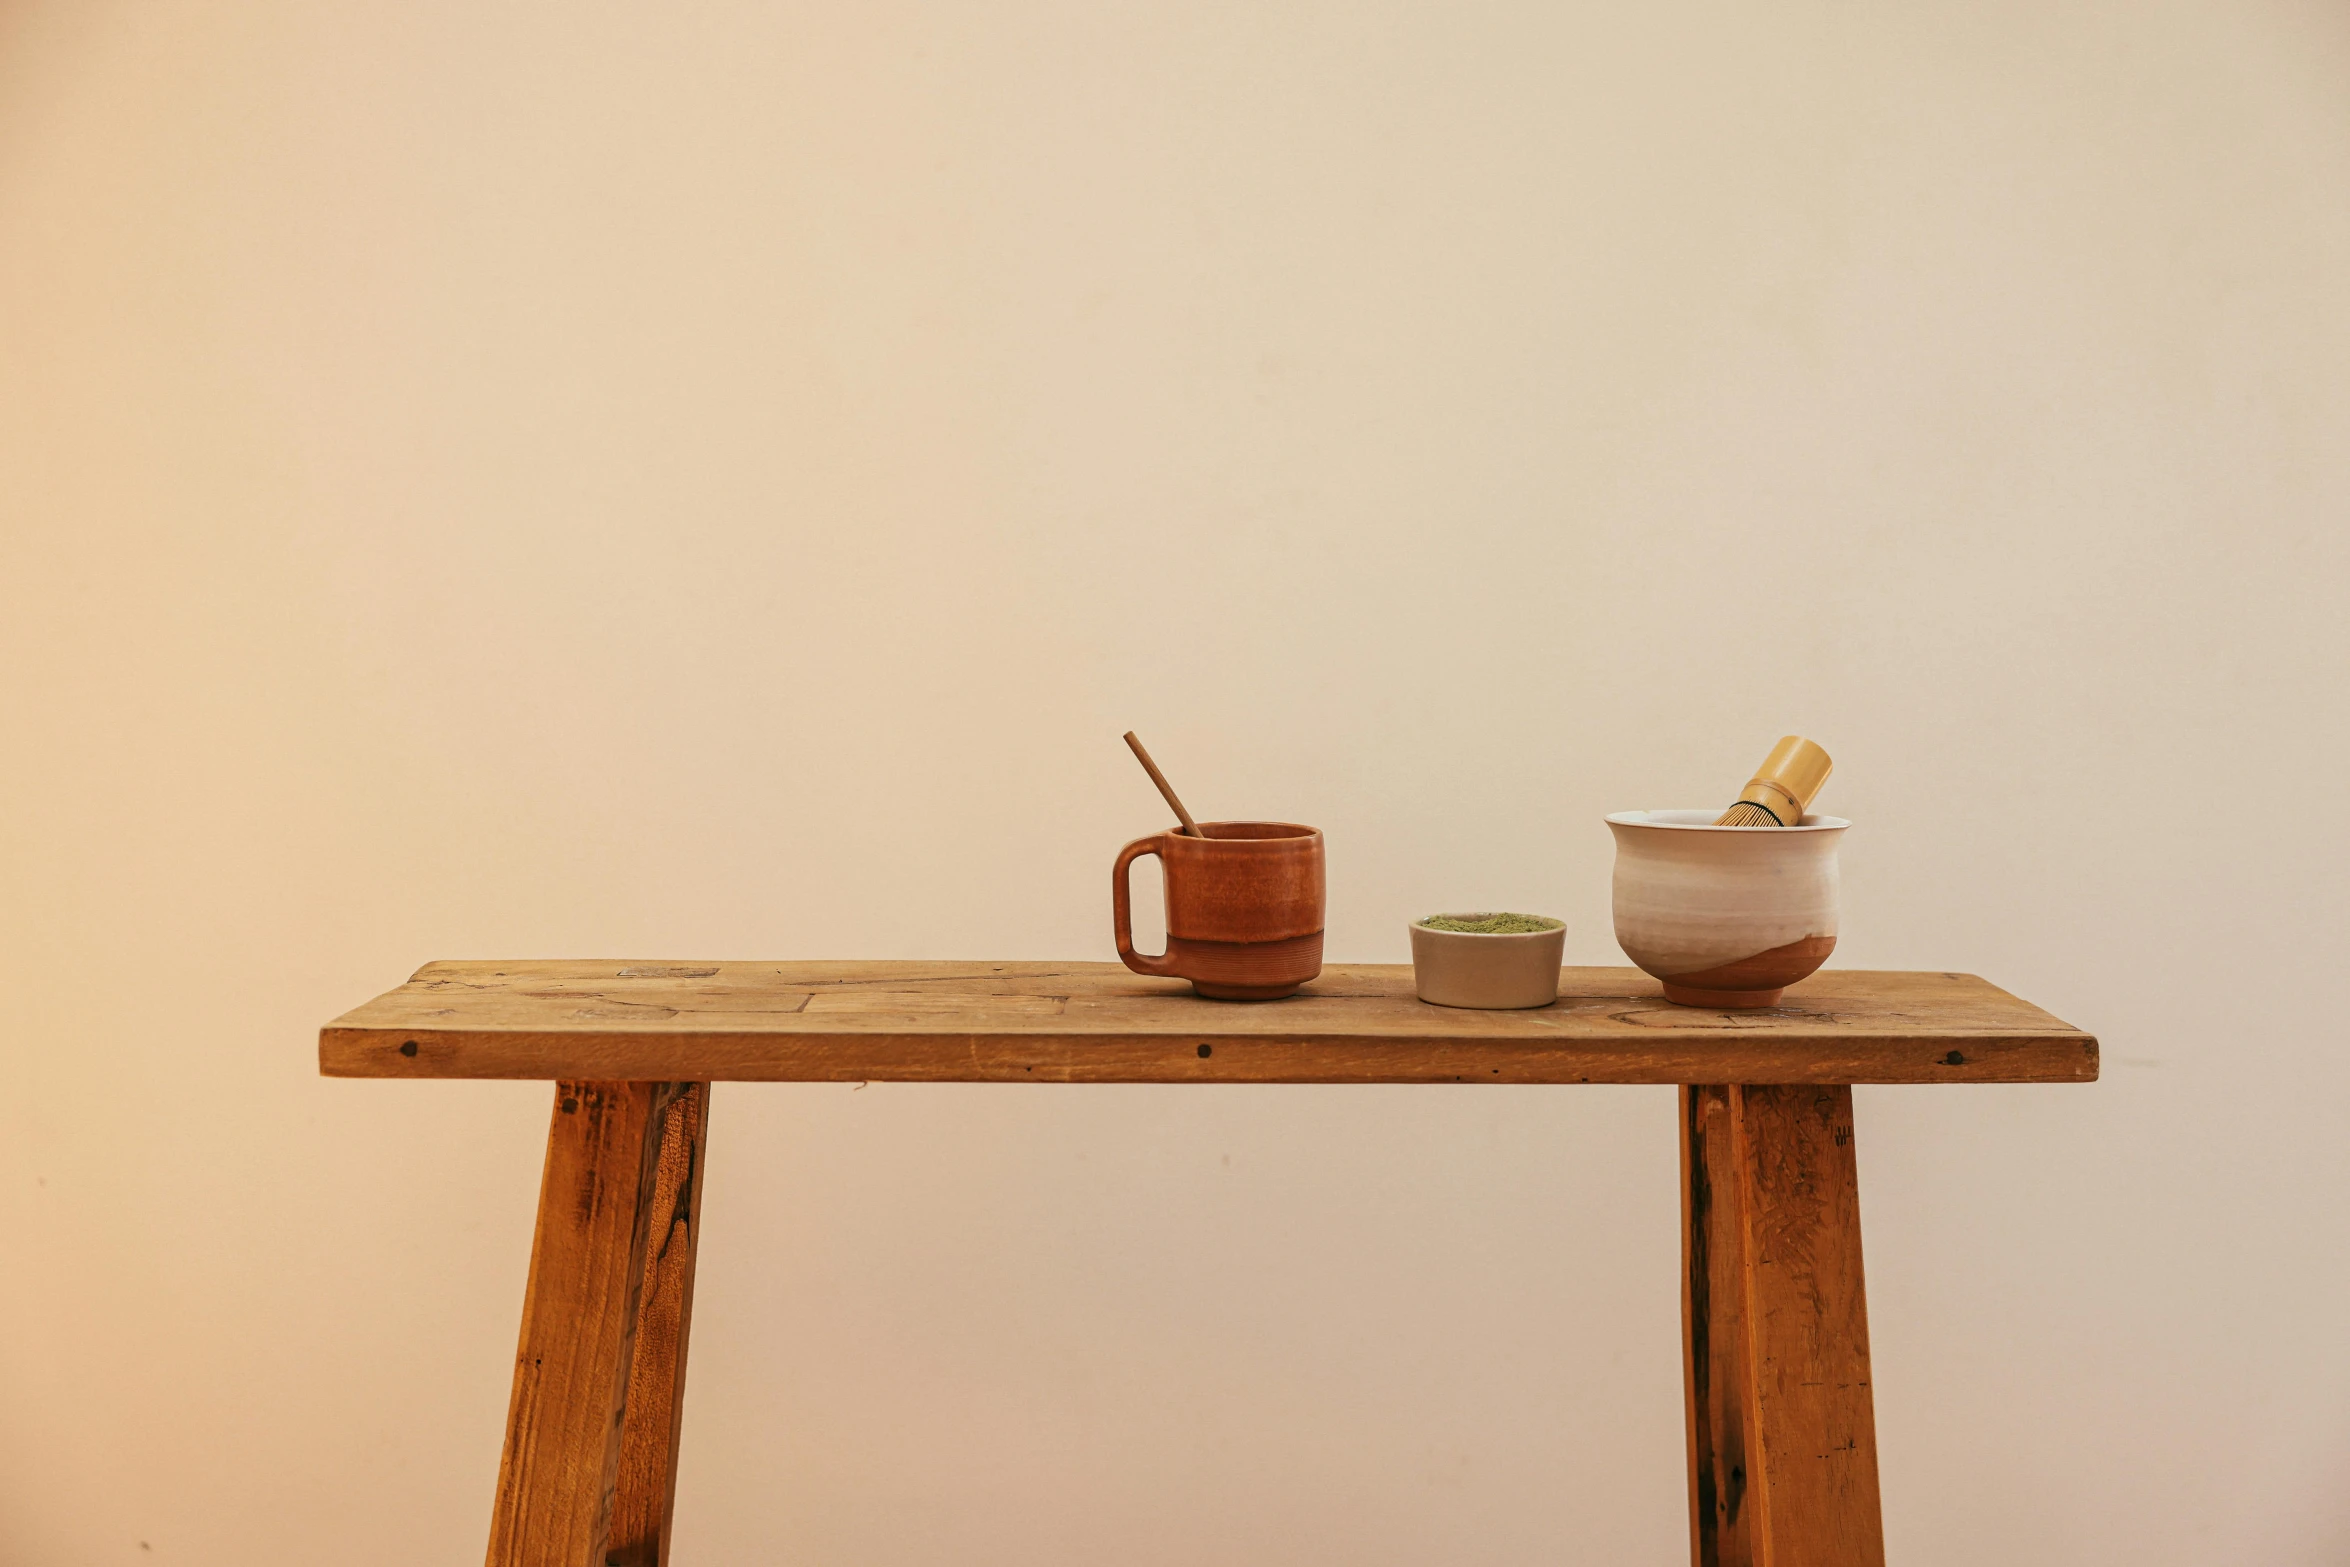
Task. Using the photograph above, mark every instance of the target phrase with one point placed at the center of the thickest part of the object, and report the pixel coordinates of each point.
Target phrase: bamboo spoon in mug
(1782, 789)
(1165, 788)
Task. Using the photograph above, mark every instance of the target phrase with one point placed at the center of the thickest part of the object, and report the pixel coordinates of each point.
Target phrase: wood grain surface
(1714, 1373)
(1807, 1330)
(645, 1492)
(1781, 1411)
(672, 1021)
(579, 1321)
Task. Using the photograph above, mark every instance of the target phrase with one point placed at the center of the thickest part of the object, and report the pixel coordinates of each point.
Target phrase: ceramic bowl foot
(1730, 1000)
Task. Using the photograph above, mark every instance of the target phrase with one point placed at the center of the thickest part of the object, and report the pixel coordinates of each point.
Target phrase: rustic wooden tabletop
(1098, 1023)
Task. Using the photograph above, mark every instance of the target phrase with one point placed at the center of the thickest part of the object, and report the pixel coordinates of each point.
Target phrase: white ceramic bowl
(1461, 968)
(1725, 916)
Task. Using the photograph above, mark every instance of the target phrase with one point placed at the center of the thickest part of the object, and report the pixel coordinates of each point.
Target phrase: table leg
(1782, 1431)
(588, 1266)
(646, 1497)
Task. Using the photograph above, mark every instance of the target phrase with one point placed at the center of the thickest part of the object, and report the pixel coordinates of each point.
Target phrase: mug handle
(1122, 910)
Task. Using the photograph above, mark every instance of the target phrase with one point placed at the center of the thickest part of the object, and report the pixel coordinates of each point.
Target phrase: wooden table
(1782, 1439)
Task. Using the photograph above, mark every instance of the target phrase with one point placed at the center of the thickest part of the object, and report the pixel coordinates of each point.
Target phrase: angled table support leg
(1782, 1428)
(647, 1491)
(601, 1237)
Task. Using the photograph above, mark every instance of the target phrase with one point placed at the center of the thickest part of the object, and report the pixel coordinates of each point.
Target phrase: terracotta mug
(1244, 908)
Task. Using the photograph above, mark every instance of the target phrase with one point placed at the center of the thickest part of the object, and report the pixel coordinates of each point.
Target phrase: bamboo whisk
(1781, 790)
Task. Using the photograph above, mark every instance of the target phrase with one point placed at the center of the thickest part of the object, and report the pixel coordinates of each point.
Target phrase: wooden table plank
(1782, 1424)
(644, 1493)
(1715, 1380)
(1813, 1441)
(676, 1021)
(579, 1322)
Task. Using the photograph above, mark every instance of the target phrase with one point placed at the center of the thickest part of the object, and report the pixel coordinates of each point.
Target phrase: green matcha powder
(1491, 924)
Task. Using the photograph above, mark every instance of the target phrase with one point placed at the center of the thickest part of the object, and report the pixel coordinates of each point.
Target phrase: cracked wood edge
(1713, 1330)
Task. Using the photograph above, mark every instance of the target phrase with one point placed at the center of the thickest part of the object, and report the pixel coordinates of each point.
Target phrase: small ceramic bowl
(1725, 916)
(1459, 968)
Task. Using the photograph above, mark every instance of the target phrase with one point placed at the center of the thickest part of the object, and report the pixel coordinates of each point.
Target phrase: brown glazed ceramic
(1244, 908)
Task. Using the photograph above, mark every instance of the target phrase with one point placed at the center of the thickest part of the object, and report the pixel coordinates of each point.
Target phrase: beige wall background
(715, 480)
